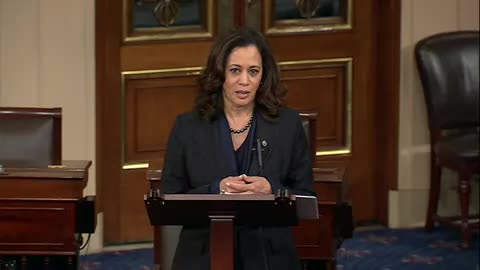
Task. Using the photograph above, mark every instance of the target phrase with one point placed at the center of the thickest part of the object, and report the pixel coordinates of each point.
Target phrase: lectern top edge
(219, 197)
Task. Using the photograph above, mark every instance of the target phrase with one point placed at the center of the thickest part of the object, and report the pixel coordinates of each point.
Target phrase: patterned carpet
(407, 250)
(385, 249)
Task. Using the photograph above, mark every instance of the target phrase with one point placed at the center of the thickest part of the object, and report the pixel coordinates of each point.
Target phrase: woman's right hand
(245, 185)
(227, 187)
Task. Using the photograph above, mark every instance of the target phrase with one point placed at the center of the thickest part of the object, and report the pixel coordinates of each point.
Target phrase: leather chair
(30, 137)
(448, 65)
(309, 122)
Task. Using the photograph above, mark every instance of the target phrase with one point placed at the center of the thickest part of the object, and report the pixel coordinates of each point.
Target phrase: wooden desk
(317, 241)
(38, 211)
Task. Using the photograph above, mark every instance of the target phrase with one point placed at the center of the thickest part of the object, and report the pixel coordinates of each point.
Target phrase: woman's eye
(234, 70)
(254, 71)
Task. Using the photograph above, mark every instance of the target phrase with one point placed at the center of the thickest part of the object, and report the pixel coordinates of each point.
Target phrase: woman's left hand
(253, 185)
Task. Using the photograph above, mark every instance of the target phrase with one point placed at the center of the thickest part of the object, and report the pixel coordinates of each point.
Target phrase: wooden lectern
(221, 213)
(316, 240)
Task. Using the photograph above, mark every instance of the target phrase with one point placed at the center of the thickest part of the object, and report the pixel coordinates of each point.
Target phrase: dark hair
(271, 93)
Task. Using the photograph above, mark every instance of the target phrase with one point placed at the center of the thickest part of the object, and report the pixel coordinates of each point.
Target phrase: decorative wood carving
(149, 20)
(299, 16)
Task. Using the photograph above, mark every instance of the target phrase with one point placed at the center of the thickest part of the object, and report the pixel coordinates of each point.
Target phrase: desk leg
(221, 243)
(331, 265)
(70, 261)
(319, 265)
(157, 247)
(46, 263)
(23, 264)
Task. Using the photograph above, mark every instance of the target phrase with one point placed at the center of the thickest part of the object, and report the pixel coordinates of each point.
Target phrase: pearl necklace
(238, 131)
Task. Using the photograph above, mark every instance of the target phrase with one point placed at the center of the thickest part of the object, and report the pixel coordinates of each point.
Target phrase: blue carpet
(412, 249)
(407, 250)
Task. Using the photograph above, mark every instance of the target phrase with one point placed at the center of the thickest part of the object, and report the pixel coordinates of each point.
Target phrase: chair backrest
(448, 65)
(30, 136)
(309, 122)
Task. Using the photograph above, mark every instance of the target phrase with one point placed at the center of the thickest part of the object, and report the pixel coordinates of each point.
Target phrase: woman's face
(243, 74)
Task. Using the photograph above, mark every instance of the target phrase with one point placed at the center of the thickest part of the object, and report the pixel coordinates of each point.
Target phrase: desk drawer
(37, 227)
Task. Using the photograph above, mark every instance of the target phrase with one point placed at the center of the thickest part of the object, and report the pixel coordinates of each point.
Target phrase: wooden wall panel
(152, 102)
(323, 87)
(134, 224)
(150, 56)
(387, 102)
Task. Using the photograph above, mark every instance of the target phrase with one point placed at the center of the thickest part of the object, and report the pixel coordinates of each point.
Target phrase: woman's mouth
(242, 94)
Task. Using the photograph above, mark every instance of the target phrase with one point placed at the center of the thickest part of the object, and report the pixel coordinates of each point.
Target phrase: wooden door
(327, 64)
(150, 52)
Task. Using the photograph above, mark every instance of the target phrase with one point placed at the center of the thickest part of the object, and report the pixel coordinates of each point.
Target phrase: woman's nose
(244, 78)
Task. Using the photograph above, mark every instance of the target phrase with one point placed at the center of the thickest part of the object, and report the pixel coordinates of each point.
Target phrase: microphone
(259, 155)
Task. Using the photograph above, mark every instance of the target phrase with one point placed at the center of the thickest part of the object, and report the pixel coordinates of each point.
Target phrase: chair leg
(434, 192)
(464, 190)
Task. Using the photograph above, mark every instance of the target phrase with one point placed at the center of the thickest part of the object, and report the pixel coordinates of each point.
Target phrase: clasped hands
(241, 185)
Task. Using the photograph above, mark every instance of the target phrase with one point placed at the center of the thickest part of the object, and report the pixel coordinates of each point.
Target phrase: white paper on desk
(307, 207)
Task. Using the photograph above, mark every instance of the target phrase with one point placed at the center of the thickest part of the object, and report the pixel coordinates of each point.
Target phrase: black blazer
(194, 161)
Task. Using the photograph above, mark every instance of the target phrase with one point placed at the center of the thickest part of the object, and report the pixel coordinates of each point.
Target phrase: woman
(214, 150)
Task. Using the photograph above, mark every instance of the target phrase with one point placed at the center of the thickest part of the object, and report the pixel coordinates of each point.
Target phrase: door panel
(344, 32)
(322, 87)
(148, 60)
(153, 99)
(177, 54)
(147, 70)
